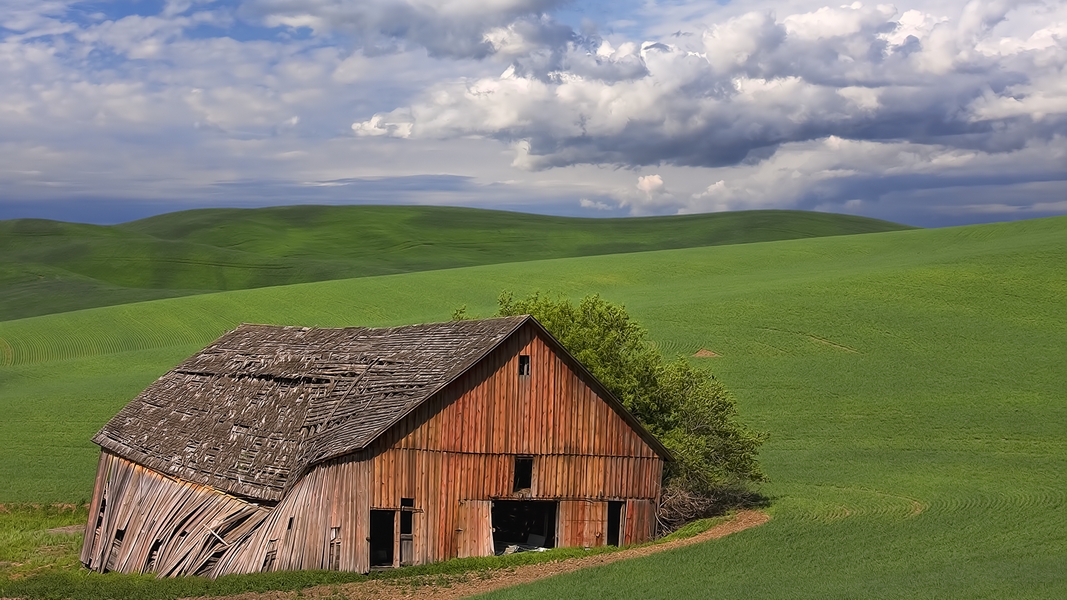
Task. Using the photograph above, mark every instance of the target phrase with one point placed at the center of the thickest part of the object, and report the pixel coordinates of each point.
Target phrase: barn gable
(499, 402)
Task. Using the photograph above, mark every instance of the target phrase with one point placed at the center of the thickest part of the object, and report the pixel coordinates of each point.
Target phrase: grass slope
(51, 266)
(912, 383)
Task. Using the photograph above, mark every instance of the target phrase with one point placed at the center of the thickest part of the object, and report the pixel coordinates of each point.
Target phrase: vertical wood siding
(551, 411)
(583, 523)
(474, 532)
(640, 525)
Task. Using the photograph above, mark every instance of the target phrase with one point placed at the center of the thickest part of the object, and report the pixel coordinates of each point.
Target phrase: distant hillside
(51, 266)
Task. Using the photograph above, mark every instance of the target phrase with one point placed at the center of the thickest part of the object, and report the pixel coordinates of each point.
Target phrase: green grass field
(49, 266)
(912, 382)
(48, 560)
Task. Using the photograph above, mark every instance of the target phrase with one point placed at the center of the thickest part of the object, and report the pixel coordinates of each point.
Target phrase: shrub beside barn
(281, 448)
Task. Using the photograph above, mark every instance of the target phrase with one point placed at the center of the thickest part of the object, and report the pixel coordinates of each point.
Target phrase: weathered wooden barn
(280, 448)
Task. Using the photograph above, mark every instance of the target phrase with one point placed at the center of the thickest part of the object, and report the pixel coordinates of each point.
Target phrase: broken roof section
(257, 407)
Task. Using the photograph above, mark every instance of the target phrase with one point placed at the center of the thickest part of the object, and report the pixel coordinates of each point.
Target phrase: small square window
(524, 365)
(523, 473)
(407, 506)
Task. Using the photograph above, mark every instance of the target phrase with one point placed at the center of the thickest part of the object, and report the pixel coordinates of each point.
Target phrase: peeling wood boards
(142, 521)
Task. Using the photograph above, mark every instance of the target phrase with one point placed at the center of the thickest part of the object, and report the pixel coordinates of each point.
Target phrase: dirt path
(452, 587)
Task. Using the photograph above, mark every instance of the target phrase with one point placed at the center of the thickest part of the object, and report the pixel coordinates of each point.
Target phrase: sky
(926, 112)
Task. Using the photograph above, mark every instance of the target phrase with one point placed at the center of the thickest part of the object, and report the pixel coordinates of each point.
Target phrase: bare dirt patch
(453, 587)
(705, 353)
(68, 530)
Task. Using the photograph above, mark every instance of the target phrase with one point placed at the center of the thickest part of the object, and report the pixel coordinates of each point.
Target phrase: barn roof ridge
(260, 405)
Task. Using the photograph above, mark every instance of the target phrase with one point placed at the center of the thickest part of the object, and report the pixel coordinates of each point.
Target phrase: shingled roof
(262, 403)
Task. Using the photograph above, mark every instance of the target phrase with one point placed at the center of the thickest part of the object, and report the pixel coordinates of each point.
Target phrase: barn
(282, 448)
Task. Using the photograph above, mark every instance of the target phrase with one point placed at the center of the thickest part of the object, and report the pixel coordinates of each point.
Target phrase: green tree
(716, 456)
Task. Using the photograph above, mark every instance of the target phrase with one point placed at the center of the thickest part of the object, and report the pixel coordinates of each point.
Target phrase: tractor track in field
(453, 587)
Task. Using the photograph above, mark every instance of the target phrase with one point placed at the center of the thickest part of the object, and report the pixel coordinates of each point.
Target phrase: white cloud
(594, 204)
(651, 197)
(376, 126)
(828, 23)
(912, 23)
(650, 184)
(738, 42)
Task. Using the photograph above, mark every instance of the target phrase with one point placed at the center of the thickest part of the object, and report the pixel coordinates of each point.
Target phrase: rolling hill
(911, 383)
(52, 266)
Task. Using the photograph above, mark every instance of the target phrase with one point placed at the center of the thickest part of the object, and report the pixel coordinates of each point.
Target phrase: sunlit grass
(39, 538)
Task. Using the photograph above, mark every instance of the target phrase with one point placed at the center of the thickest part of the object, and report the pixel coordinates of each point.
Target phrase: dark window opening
(527, 524)
(153, 553)
(290, 525)
(381, 538)
(406, 519)
(524, 365)
(407, 538)
(209, 564)
(523, 473)
(270, 559)
(116, 545)
(615, 523)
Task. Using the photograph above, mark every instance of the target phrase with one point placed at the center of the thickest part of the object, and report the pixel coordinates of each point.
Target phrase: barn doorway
(381, 538)
(525, 524)
(616, 519)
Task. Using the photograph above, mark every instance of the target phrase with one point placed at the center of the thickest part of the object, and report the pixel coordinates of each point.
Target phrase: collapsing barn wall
(175, 528)
(323, 523)
(179, 528)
